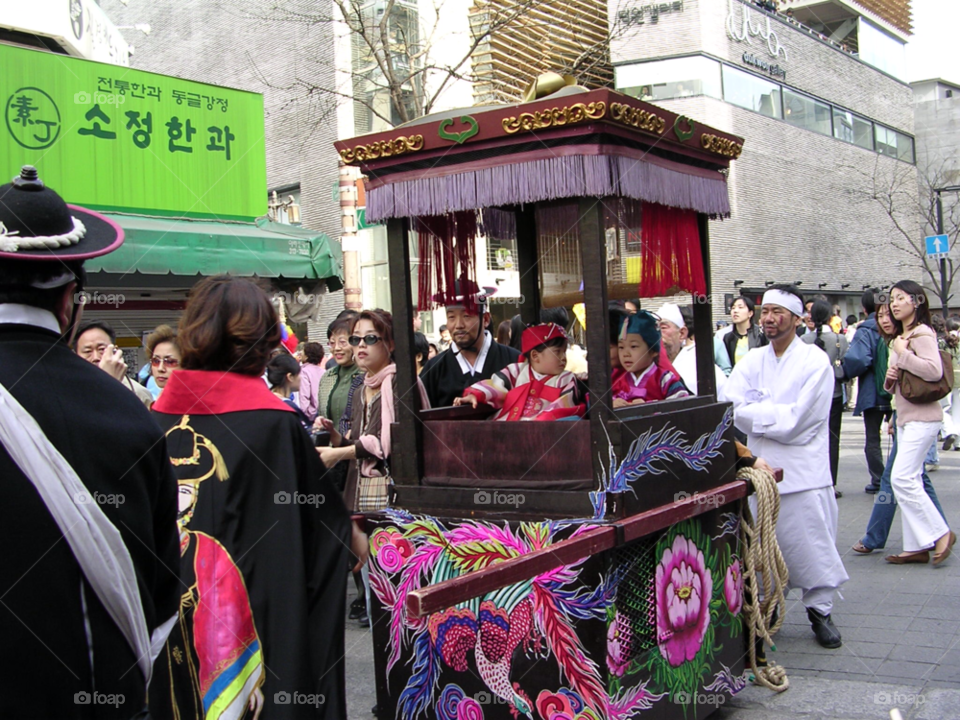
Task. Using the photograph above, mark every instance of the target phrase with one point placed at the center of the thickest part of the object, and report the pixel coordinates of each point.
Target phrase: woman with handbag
(374, 410)
(835, 346)
(917, 376)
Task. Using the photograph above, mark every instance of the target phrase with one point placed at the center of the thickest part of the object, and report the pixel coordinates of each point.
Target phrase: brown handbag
(919, 391)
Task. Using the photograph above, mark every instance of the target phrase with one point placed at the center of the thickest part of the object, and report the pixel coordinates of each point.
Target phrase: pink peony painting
(618, 645)
(733, 587)
(684, 586)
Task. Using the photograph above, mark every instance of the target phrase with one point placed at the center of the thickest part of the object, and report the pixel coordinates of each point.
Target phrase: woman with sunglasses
(164, 355)
(373, 413)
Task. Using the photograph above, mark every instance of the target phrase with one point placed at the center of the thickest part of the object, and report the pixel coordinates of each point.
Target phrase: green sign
(112, 138)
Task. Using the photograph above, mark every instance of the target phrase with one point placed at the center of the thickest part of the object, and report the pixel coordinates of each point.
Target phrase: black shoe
(363, 620)
(872, 489)
(837, 494)
(950, 442)
(827, 634)
(357, 608)
(375, 709)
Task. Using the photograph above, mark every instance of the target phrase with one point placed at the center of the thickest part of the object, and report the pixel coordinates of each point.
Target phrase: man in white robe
(781, 395)
(676, 338)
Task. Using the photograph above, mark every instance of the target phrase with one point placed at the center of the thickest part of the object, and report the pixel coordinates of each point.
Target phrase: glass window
(883, 51)
(886, 141)
(905, 148)
(665, 79)
(806, 112)
(750, 92)
(852, 129)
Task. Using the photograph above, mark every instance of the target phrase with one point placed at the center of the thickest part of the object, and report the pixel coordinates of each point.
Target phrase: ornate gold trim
(400, 145)
(721, 146)
(637, 117)
(576, 113)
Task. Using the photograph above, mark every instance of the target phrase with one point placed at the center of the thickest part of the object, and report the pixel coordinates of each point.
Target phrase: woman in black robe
(265, 538)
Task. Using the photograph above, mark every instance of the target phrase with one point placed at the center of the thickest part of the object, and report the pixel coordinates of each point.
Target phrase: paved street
(900, 626)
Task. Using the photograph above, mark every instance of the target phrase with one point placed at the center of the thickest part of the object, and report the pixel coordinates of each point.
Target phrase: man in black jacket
(473, 355)
(71, 650)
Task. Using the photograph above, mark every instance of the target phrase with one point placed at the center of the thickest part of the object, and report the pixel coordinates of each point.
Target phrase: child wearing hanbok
(537, 387)
(646, 374)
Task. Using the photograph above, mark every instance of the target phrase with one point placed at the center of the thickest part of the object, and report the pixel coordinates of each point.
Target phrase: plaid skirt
(373, 493)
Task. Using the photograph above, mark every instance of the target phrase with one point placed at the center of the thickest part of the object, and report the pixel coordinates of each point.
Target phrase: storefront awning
(160, 246)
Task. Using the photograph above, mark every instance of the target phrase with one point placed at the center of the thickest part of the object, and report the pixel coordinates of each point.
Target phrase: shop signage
(650, 13)
(743, 26)
(119, 139)
(761, 64)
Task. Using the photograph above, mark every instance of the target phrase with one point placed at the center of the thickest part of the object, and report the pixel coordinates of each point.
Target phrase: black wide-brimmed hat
(36, 224)
(465, 292)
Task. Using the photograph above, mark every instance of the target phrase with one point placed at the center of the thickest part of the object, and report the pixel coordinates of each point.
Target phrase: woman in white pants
(915, 351)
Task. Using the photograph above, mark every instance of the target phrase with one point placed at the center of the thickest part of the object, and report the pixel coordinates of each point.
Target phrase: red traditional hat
(536, 335)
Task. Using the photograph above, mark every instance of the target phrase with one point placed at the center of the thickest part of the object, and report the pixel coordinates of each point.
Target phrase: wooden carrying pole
(604, 537)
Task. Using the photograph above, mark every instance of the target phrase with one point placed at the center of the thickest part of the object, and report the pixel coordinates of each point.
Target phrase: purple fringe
(549, 179)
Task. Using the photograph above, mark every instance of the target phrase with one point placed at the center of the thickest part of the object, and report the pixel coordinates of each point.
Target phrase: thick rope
(761, 554)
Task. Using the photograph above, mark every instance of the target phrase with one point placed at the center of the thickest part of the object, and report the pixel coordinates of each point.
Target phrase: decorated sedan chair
(561, 570)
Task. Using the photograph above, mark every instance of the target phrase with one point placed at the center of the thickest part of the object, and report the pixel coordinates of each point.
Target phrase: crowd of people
(209, 546)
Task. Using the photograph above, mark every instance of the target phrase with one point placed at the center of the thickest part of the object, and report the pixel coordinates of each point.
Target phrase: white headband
(671, 313)
(784, 299)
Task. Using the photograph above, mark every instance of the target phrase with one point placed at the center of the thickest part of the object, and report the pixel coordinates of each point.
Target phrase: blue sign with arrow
(938, 246)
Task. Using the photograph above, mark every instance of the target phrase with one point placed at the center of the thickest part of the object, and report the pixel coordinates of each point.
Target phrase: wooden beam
(528, 263)
(593, 258)
(703, 320)
(434, 598)
(406, 463)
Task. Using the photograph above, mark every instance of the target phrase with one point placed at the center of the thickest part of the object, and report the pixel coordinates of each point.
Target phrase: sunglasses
(169, 362)
(366, 339)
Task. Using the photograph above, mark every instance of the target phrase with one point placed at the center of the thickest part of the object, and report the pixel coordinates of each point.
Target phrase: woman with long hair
(915, 351)
(745, 334)
(264, 536)
(835, 346)
(885, 504)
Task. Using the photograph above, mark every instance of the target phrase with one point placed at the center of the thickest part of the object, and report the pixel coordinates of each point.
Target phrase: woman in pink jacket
(915, 351)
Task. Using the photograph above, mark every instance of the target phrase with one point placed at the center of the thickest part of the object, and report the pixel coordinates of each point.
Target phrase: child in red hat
(537, 387)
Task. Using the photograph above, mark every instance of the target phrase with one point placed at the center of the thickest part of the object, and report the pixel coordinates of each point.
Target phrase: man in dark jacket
(91, 558)
(859, 363)
(474, 355)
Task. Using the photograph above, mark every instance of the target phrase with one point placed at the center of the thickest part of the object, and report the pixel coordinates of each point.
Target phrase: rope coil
(764, 607)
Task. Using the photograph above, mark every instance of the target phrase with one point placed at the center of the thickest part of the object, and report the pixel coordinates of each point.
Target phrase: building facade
(822, 128)
(260, 46)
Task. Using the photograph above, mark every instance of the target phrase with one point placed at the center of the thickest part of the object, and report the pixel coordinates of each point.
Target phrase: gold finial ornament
(546, 84)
